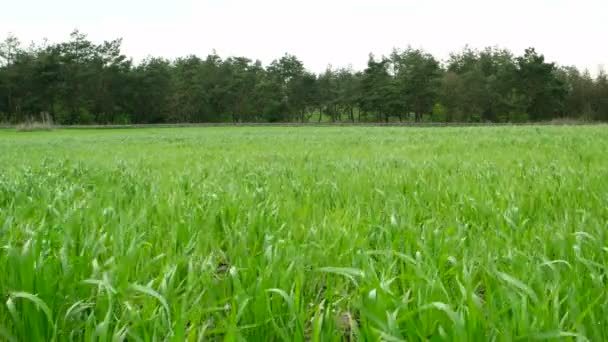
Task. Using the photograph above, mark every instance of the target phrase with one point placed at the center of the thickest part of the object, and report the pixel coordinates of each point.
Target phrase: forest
(81, 82)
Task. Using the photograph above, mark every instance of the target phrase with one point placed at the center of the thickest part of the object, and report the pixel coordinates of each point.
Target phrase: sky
(321, 32)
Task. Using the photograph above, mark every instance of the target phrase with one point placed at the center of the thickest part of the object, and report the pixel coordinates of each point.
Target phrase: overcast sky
(321, 32)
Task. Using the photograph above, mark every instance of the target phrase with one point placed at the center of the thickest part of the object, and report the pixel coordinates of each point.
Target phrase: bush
(85, 117)
(426, 118)
(518, 117)
(476, 118)
(121, 119)
(439, 113)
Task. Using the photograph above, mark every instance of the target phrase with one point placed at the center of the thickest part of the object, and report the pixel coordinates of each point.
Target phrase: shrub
(518, 117)
(439, 113)
(85, 117)
(121, 119)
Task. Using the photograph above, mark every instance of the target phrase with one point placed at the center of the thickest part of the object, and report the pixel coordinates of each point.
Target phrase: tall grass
(313, 234)
(44, 123)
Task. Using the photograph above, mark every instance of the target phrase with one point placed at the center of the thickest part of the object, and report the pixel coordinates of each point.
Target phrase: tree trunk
(10, 99)
(339, 113)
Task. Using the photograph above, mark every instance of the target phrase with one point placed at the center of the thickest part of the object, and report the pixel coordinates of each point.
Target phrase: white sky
(321, 32)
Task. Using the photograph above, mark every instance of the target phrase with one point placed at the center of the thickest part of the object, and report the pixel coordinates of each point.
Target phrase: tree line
(80, 82)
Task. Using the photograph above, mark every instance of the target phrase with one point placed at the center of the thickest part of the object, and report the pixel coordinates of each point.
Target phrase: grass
(315, 234)
(45, 123)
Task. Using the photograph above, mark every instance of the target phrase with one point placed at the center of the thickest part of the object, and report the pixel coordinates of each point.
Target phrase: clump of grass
(571, 121)
(44, 123)
(304, 234)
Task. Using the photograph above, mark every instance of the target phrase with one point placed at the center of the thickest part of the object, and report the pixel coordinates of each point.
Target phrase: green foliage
(439, 113)
(84, 117)
(518, 117)
(81, 82)
(478, 85)
(417, 76)
(539, 83)
(600, 97)
(368, 234)
(61, 115)
(121, 119)
(377, 89)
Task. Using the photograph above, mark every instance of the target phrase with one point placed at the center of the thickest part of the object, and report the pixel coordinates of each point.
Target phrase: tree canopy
(81, 82)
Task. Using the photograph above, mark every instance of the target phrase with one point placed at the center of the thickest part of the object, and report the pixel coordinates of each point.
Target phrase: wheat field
(304, 234)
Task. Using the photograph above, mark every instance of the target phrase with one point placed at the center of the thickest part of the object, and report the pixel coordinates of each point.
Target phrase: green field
(303, 233)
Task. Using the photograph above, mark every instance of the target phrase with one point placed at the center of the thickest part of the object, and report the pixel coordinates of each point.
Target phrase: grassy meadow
(304, 234)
